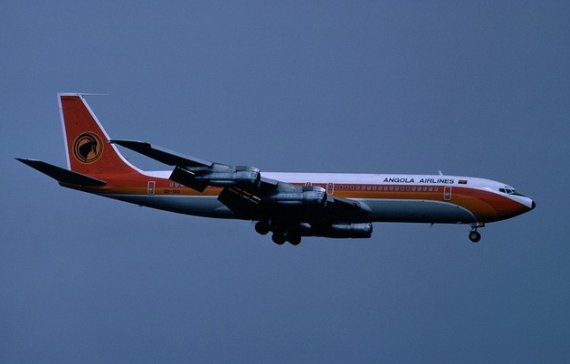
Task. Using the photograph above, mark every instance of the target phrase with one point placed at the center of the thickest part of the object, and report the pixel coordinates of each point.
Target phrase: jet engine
(340, 230)
(299, 196)
(217, 175)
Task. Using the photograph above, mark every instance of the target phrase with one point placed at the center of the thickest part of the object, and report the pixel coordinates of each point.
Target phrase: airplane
(289, 205)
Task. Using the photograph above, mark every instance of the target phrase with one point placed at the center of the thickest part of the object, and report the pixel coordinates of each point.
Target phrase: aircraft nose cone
(533, 205)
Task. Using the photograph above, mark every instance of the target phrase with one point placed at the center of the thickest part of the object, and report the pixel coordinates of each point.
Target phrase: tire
(262, 227)
(295, 240)
(278, 239)
(474, 236)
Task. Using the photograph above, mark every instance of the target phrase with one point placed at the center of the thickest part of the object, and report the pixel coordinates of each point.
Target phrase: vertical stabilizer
(87, 143)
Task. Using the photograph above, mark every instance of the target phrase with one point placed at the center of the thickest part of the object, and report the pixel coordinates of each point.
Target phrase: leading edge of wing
(162, 155)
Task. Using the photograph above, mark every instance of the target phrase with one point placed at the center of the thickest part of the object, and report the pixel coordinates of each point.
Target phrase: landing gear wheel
(278, 238)
(262, 227)
(474, 236)
(294, 239)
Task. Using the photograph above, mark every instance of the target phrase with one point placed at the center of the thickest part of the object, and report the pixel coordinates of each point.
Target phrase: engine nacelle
(217, 175)
(240, 176)
(345, 230)
(303, 196)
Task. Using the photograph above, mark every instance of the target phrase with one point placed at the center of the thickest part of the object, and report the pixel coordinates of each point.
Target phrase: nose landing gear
(474, 235)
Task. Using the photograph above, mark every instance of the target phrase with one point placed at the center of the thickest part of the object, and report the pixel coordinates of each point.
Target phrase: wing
(248, 194)
(195, 172)
(162, 155)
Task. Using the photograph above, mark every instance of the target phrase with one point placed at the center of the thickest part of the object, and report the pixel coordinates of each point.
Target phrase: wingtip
(25, 160)
(29, 162)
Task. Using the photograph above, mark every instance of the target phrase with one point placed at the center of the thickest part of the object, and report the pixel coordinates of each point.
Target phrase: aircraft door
(150, 186)
(447, 193)
(330, 188)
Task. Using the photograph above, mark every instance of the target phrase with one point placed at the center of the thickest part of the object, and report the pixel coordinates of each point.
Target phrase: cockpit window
(509, 191)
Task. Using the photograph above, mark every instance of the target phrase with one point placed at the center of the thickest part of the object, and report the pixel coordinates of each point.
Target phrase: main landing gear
(474, 235)
(262, 227)
(280, 236)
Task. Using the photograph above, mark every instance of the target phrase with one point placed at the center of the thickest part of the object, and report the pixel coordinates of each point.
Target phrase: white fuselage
(394, 197)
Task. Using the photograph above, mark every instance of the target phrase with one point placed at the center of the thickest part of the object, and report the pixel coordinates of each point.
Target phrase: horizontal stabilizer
(61, 174)
(162, 155)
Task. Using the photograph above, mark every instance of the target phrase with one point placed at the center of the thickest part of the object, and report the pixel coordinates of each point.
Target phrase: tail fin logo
(87, 148)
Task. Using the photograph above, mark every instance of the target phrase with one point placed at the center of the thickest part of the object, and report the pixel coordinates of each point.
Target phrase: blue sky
(477, 89)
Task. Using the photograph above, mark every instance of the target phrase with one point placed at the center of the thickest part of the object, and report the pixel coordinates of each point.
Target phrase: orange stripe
(486, 206)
